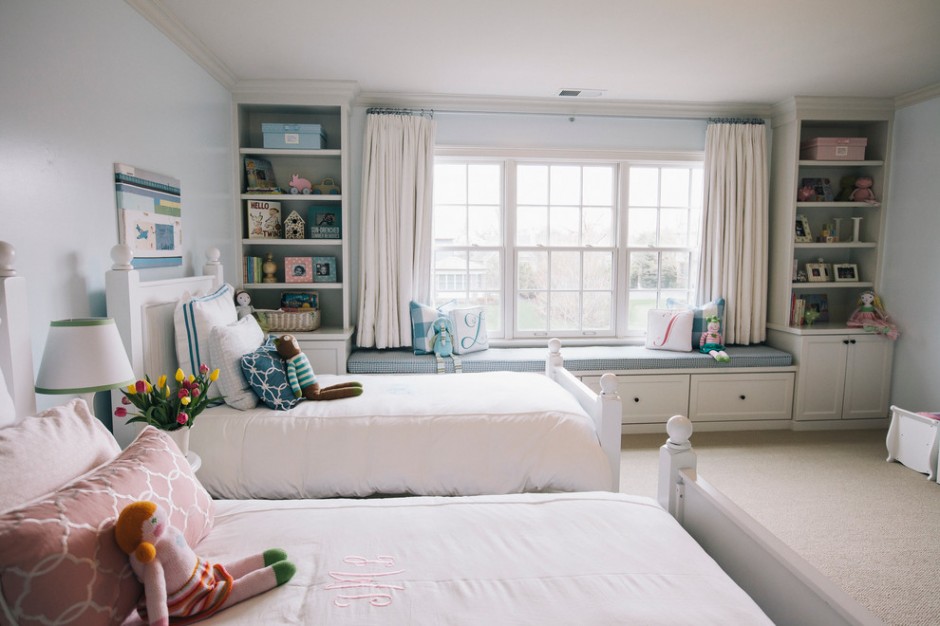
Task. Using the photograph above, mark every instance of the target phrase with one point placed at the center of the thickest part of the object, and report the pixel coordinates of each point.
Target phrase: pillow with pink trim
(59, 561)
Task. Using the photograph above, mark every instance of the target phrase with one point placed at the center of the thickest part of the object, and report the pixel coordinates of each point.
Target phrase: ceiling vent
(581, 93)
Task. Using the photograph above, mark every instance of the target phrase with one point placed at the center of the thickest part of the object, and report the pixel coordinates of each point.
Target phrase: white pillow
(469, 329)
(227, 346)
(193, 320)
(669, 330)
(7, 408)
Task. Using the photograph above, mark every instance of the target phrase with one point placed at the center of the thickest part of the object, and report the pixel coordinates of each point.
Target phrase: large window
(565, 248)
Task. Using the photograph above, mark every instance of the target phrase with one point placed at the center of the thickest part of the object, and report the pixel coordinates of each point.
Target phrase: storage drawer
(649, 399)
(720, 397)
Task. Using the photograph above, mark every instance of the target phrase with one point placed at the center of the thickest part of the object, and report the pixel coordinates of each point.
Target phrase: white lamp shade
(83, 356)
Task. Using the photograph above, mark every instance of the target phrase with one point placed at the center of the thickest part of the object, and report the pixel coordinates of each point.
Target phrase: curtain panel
(735, 227)
(395, 231)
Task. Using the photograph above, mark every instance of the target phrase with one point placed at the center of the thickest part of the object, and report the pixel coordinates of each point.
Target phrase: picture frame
(298, 269)
(299, 300)
(324, 269)
(818, 302)
(818, 272)
(822, 189)
(802, 232)
(845, 272)
(324, 222)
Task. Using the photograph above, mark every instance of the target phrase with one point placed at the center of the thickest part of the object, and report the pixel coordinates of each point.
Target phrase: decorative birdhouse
(294, 226)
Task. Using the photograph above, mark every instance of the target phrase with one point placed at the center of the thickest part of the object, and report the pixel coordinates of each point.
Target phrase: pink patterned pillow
(59, 561)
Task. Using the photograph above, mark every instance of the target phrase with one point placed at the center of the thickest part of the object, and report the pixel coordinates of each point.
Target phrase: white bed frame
(787, 588)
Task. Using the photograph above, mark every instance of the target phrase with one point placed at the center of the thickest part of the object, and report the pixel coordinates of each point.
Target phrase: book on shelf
(252, 269)
(259, 176)
(264, 219)
(324, 222)
(797, 309)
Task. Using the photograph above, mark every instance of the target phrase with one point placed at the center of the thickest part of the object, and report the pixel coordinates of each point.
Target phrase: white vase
(181, 437)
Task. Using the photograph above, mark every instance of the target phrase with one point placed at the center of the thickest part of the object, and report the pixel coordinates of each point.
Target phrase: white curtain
(734, 230)
(395, 218)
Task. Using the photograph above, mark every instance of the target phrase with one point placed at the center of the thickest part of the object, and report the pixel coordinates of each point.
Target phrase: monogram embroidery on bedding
(372, 585)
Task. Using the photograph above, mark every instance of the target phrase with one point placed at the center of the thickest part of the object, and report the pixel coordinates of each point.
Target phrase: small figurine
(710, 343)
(863, 192)
(327, 186)
(303, 380)
(299, 185)
(871, 316)
(243, 303)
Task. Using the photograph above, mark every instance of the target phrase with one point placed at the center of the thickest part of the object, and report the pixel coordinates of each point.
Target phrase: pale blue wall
(911, 283)
(84, 85)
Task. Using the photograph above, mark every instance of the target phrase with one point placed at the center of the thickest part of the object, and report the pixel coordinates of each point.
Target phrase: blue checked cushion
(266, 374)
(422, 327)
(193, 321)
(700, 315)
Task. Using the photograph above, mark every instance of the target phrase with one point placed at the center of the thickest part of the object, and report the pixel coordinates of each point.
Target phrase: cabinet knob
(636, 399)
(845, 341)
(743, 397)
(851, 341)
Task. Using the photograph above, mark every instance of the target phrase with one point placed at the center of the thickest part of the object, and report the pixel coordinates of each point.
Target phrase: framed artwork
(324, 269)
(149, 216)
(324, 222)
(818, 272)
(259, 176)
(298, 269)
(845, 272)
(802, 232)
(821, 189)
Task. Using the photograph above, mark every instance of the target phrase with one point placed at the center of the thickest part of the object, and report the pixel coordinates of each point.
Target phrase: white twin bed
(531, 558)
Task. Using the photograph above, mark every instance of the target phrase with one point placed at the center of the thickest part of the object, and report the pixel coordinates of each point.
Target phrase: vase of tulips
(168, 406)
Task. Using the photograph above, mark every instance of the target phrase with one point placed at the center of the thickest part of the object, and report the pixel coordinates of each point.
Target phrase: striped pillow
(193, 320)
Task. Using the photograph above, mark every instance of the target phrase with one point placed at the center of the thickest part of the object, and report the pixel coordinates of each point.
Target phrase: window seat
(617, 359)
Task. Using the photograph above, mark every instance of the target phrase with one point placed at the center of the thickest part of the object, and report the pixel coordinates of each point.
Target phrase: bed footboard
(604, 408)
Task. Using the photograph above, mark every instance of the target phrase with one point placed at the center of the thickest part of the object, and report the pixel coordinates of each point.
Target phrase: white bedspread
(540, 559)
(456, 434)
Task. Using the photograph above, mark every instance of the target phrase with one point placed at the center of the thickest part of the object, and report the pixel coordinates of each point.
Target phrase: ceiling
(676, 51)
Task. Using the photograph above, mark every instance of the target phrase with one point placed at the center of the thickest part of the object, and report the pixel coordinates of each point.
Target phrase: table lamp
(83, 357)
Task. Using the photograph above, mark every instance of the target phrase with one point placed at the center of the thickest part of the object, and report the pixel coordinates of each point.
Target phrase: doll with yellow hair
(181, 586)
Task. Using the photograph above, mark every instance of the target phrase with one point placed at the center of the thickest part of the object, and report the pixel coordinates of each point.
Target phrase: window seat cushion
(577, 359)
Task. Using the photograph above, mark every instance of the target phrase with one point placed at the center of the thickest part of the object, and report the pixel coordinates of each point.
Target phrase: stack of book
(252, 269)
(797, 309)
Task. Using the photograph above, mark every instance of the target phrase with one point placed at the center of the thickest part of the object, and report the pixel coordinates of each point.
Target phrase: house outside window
(571, 248)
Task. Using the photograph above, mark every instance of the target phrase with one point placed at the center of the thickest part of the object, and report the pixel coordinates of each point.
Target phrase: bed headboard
(16, 352)
(143, 312)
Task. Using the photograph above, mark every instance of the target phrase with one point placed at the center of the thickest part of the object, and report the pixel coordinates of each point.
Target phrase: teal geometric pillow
(266, 374)
(700, 315)
(422, 327)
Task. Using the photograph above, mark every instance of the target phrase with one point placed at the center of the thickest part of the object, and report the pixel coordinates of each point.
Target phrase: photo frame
(845, 272)
(298, 269)
(822, 189)
(818, 302)
(802, 232)
(324, 222)
(324, 269)
(818, 272)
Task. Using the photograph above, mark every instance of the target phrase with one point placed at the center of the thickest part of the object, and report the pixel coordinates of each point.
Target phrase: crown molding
(917, 96)
(824, 107)
(168, 24)
(339, 92)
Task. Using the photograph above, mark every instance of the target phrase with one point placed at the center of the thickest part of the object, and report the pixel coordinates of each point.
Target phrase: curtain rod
(736, 120)
(395, 111)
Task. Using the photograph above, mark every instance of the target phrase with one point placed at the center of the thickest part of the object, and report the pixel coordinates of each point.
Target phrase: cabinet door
(821, 387)
(867, 377)
(649, 399)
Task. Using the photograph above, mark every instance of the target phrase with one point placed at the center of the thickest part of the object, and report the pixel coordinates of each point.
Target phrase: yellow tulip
(161, 381)
(185, 400)
(167, 391)
(149, 388)
(179, 376)
(192, 378)
(214, 376)
(132, 389)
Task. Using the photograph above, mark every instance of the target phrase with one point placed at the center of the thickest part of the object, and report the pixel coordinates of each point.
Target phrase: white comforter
(541, 559)
(456, 434)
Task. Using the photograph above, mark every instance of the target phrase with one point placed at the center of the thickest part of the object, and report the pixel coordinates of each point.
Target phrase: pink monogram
(376, 590)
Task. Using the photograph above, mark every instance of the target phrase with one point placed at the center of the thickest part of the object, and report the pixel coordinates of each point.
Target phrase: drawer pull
(743, 397)
(845, 341)
(636, 399)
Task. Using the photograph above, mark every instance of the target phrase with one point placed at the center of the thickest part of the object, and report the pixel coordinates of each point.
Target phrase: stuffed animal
(443, 342)
(243, 304)
(846, 187)
(303, 380)
(165, 564)
(710, 343)
(863, 192)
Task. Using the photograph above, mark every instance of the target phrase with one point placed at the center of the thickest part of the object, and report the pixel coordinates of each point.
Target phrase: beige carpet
(872, 527)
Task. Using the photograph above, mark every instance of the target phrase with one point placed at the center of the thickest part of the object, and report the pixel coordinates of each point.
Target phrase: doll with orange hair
(180, 585)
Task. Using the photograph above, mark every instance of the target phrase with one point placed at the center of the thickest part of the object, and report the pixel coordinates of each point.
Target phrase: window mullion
(509, 246)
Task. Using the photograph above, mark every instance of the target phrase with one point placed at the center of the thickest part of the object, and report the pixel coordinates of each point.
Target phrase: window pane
(640, 304)
(532, 226)
(675, 187)
(483, 184)
(484, 226)
(598, 186)
(485, 271)
(450, 270)
(642, 227)
(675, 270)
(565, 184)
(532, 311)
(644, 186)
(532, 270)
(566, 270)
(597, 311)
(598, 226)
(565, 225)
(493, 309)
(450, 183)
(598, 270)
(566, 310)
(674, 227)
(644, 270)
(532, 184)
(449, 225)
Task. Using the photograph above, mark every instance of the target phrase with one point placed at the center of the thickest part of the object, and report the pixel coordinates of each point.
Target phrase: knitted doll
(871, 316)
(303, 380)
(180, 585)
(710, 343)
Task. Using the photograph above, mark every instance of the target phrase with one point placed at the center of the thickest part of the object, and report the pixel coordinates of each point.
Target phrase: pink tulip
(120, 412)
(125, 400)
(203, 369)
(182, 418)
(141, 386)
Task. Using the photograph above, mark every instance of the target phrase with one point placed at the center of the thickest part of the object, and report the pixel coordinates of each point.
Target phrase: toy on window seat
(710, 342)
(303, 380)
(871, 316)
(179, 584)
(443, 342)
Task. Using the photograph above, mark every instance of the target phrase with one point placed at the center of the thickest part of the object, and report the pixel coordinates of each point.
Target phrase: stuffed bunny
(179, 584)
(303, 380)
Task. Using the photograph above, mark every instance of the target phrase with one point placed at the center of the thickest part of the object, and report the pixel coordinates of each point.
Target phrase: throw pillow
(42, 452)
(700, 315)
(422, 327)
(469, 329)
(669, 330)
(193, 320)
(227, 345)
(59, 561)
(7, 407)
(266, 373)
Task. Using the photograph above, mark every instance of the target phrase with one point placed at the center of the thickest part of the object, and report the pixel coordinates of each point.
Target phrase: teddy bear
(863, 192)
(710, 343)
(165, 564)
(303, 380)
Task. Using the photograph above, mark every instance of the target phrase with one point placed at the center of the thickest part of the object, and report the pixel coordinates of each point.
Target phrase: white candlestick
(856, 228)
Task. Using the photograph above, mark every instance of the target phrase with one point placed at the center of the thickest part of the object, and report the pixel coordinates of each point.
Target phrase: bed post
(611, 412)
(213, 267)
(675, 455)
(16, 352)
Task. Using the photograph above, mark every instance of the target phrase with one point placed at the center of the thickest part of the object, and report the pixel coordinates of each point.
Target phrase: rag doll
(179, 584)
(710, 343)
(863, 192)
(871, 316)
(303, 380)
(243, 304)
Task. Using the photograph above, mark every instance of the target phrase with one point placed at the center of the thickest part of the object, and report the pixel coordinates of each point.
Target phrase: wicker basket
(289, 321)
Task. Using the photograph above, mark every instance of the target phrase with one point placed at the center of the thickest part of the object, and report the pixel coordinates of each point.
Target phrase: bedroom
(92, 83)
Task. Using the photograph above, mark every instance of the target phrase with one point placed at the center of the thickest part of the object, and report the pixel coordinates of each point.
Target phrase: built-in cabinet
(330, 344)
(843, 372)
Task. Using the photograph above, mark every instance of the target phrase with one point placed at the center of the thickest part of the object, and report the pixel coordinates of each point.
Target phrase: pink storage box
(834, 149)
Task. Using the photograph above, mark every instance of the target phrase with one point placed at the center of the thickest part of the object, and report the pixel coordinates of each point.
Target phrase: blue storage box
(294, 136)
